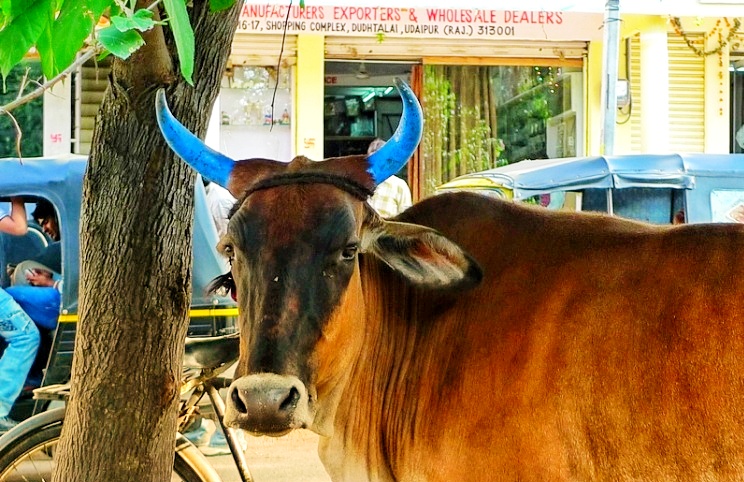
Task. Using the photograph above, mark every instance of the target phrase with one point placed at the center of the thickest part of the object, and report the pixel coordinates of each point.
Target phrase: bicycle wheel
(28, 456)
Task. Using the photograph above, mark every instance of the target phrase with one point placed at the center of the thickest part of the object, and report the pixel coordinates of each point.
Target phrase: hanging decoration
(717, 30)
(731, 40)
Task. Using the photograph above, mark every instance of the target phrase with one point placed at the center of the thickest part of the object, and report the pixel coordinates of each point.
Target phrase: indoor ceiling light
(362, 72)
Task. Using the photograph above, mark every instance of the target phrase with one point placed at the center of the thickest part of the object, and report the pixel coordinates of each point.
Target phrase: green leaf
(143, 13)
(178, 18)
(13, 8)
(141, 20)
(302, 3)
(73, 25)
(115, 10)
(122, 44)
(45, 46)
(219, 5)
(21, 33)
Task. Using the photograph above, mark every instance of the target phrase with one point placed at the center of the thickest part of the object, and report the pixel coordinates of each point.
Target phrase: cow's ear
(420, 254)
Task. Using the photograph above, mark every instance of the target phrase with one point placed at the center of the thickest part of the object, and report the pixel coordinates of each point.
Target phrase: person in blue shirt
(37, 282)
(43, 269)
(16, 328)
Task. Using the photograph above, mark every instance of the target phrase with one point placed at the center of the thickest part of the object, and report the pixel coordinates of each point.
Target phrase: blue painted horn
(206, 161)
(217, 167)
(388, 159)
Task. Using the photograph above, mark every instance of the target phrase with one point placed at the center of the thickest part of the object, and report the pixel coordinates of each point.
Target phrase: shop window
(28, 116)
(480, 117)
(256, 113)
(350, 123)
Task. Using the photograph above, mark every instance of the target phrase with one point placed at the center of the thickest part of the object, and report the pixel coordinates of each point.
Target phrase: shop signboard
(413, 22)
(514, 20)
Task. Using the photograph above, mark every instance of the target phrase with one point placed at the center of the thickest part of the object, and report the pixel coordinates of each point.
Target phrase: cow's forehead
(318, 214)
(251, 174)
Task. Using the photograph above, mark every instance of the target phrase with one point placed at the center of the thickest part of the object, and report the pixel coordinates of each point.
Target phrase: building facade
(497, 85)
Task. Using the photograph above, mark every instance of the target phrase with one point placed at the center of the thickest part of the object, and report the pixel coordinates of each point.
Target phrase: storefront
(497, 86)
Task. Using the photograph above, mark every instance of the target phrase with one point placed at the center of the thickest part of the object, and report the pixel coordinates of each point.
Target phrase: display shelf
(349, 126)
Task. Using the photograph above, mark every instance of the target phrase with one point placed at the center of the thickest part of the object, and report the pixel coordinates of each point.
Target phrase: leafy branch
(39, 91)
(120, 41)
(58, 30)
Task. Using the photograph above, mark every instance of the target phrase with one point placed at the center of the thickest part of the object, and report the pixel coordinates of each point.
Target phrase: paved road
(291, 458)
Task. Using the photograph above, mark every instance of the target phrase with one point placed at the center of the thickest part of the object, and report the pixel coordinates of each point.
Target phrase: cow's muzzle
(267, 404)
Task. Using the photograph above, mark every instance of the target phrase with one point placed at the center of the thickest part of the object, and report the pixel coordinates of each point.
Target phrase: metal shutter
(92, 80)
(686, 96)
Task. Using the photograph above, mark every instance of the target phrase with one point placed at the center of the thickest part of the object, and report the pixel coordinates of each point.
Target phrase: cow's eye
(226, 247)
(349, 252)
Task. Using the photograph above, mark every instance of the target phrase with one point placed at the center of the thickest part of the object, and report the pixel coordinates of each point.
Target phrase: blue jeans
(22, 337)
(41, 303)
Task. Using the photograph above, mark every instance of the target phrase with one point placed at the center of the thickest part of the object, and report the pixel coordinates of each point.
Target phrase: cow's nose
(267, 403)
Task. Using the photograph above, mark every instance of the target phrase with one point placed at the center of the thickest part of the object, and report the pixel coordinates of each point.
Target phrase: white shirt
(392, 196)
(220, 202)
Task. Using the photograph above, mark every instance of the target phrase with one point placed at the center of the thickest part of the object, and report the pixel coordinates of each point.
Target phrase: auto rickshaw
(655, 188)
(59, 180)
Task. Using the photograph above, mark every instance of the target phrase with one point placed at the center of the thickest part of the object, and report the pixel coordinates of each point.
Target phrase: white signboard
(421, 22)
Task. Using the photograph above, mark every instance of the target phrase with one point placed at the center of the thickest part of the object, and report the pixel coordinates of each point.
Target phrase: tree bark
(135, 266)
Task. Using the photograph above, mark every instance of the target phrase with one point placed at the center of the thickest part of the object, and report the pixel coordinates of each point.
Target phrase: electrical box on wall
(622, 93)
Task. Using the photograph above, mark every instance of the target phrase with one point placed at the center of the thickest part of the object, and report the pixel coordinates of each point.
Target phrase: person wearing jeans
(16, 328)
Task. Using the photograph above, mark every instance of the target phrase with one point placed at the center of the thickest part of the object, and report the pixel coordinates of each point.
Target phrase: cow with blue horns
(471, 338)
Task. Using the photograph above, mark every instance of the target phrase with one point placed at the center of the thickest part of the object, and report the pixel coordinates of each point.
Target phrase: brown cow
(577, 347)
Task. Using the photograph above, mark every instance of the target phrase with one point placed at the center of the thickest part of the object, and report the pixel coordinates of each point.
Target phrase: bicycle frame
(207, 382)
(206, 359)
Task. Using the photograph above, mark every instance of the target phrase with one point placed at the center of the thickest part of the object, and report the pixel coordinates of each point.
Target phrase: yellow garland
(722, 43)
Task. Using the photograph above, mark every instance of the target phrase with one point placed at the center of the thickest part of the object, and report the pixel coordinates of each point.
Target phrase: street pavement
(291, 458)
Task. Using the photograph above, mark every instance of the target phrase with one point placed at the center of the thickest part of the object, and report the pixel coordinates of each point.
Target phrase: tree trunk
(135, 266)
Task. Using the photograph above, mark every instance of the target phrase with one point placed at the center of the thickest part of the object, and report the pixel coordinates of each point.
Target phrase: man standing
(220, 202)
(392, 196)
(16, 328)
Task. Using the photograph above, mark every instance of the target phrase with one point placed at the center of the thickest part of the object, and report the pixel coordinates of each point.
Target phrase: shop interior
(360, 104)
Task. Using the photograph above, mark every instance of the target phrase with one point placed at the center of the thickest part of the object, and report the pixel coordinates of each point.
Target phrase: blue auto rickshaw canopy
(676, 171)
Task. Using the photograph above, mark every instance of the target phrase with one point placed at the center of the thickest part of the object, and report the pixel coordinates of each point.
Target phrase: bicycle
(26, 451)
